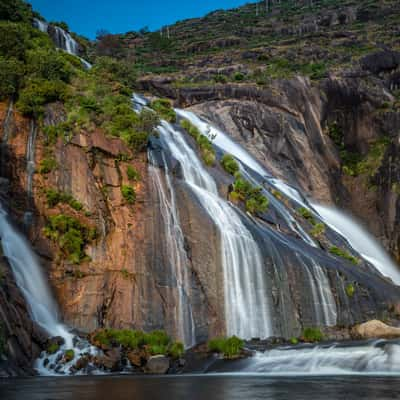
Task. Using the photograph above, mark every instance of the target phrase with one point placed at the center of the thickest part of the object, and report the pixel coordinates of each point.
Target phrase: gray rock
(157, 365)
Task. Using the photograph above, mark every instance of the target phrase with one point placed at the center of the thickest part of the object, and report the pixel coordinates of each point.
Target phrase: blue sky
(87, 17)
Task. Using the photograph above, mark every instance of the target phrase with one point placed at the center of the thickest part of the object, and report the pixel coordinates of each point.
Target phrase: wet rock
(82, 363)
(137, 358)
(110, 361)
(375, 330)
(157, 365)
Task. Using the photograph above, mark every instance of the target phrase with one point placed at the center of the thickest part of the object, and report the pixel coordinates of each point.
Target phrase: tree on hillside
(109, 45)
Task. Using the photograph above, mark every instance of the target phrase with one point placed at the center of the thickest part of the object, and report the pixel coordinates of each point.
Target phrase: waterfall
(65, 41)
(360, 240)
(176, 253)
(323, 301)
(30, 280)
(247, 311)
(30, 158)
(379, 358)
(41, 25)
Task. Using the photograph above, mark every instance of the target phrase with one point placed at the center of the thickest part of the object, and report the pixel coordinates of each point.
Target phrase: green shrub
(294, 341)
(255, 201)
(47, 165)
(70, 235)
(220, 79)
(11, 72)
(132, 174)
(14, 39)
(164, 109)
(15, 10)
(350, 290)
(238, 77)
(229, 164)
(318, 230)
(54, 197)
(69, 355)
(48, 64)
(176, 350)
(39, 92)
(312, 335)
(307, 214)
(336, 251)
(190, 129)
(157, 337)
(229, 347)
(128, 193)
(53, 348)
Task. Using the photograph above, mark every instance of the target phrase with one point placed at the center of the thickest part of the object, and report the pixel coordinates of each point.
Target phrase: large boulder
(382, 61)
(157, 365)
(375, 329)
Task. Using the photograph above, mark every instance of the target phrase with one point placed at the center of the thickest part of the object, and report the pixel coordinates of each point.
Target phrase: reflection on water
(214, 387)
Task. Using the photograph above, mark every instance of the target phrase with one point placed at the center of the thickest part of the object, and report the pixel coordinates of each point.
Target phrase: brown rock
(157, 365)
(375, 329)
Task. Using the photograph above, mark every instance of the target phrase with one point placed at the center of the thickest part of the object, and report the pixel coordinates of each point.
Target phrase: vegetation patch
(70, 235)
(350, 290)
(229, 164)
(55, 197)
(206, 148)
(337, 251)
(69, 355)
(230, 347)
(156, 342)
(318, 230)
(132, 174)
(47, 165)
(253, 198)
(312, 335)
(164, 109)
(307, 215)
(53, 348)
(128, 193)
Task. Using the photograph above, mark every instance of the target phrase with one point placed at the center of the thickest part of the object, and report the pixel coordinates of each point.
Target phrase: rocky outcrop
(21, 340)
(375, 330)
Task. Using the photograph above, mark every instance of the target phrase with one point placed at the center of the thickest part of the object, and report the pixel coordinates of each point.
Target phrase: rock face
(127, 279)
(288, 127)
(21, 341)
(375, 330)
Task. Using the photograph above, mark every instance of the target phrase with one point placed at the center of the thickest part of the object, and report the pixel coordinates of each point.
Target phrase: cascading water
(247, 311)
(30, 279)
(323, 299)
(178, 259)
(360, 240)
(62, 39)
(379, 358)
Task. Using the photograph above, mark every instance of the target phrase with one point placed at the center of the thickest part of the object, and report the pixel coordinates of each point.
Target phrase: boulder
(375, 329)
(110, 361)
(157, 365)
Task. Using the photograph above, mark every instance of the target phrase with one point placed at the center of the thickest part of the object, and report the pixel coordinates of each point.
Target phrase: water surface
(204, 387)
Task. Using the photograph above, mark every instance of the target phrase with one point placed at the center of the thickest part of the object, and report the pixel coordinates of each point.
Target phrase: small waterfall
(247, 311)
(30, 280)
(379, 358)
(41, 25)
(179, 262)
(360, 240)
(30, 158)
(323, 301)
(65, 41)
(6, 123)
